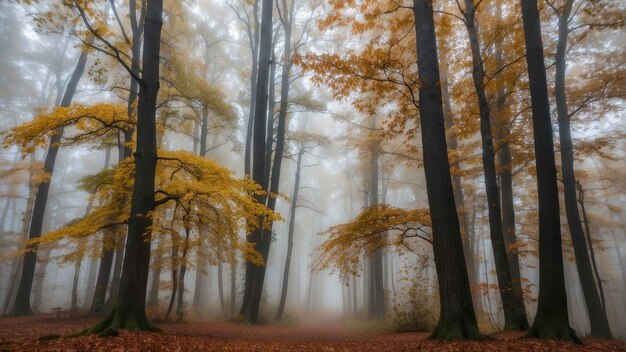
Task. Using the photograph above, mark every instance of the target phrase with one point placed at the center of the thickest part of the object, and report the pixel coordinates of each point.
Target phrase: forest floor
(24, 333)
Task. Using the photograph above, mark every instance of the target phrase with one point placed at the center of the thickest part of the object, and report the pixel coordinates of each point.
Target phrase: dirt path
(21, 334)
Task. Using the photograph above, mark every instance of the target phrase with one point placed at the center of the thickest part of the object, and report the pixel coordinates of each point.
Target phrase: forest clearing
(310, 175)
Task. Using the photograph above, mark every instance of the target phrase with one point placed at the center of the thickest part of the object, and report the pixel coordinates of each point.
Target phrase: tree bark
(512, 304)
(457, 318)
(506, 175)
(261, 239)
(551, 320)
(129, 310)
(597, 316)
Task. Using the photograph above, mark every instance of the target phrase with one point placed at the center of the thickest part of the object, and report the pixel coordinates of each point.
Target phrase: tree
(457, 318)
(597, 313)
(255, 275)
(552, 320)
(22, 301)
(129, 310)
(512, 301)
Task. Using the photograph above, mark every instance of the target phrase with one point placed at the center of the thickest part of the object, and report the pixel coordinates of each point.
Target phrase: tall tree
(129, 309)
(597, 315)
(457, 318)
(552, 319)
(255, 274)
(22, 300)
(512, 301)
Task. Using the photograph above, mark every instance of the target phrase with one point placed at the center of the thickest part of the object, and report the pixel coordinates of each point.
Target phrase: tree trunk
(261, 239)
(153, 293)
(117, 273)
(292, 218)
(457, 318)
(26, 220)
(377, 299)
(104, 273)
(174, 282)
(581, 201)
(551, 320)
(455, 165)
(233, 287)
(506, 176)
(129, 310)
(22, 301)
(597, 316)
(513, 305)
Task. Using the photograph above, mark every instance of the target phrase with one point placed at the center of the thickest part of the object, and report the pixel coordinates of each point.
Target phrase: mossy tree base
(130, 319)
(517, 325)
(456, 330)
(553, 331)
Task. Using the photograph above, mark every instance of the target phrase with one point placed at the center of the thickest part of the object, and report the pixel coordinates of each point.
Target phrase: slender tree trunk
(377, 299)
(81, 247)
(174, 282)
(506, 175)
(117, 274)
(129, 310)
(552, 319)
(26, 220)
(22, 301)
(104, 273)
(597, 316)
(181, 278)
(153, 293)
(581, 201)
(233, 287)
(292, 218)
(200, 265)
(513, 305)
(457, 318)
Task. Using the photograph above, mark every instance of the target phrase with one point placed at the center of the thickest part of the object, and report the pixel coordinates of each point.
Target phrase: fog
(349, 134)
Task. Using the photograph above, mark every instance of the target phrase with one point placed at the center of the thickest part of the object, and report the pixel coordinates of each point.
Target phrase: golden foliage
(91, 123)
(376, 227)
(199, 194)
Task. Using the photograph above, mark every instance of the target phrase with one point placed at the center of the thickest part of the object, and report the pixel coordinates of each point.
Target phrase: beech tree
(457, 318)
(552, 319)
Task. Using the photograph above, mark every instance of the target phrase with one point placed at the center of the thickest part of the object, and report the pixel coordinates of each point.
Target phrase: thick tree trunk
(597, 316)
(129, 310)
(455, 165)
(22, 301)
(513, 305)
(457, 318)
(552, 320)
(255, 275)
